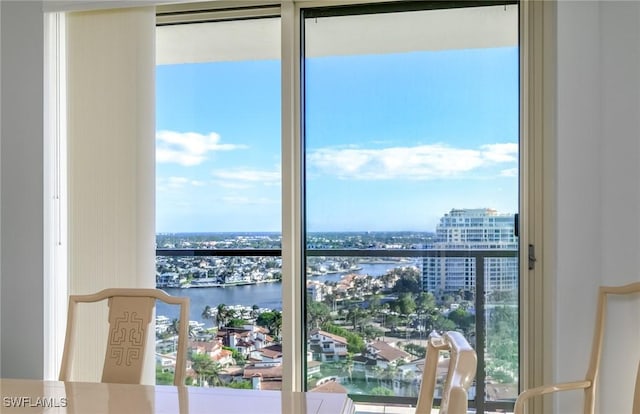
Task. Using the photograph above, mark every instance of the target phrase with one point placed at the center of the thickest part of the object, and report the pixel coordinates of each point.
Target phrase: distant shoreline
(218, 285)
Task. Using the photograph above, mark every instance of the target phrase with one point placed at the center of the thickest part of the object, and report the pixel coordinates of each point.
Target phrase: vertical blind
(111, 165)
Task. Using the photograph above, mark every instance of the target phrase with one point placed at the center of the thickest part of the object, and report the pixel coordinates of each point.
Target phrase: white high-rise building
(472, 229)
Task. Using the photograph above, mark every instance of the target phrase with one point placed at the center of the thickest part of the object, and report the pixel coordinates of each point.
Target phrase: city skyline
(440, 131)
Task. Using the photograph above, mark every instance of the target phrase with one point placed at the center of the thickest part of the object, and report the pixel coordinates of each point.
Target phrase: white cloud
(248, 200)
(177, 181)
(500, 152)
(247, 176)
(231, 185)
(510, 172)
(174, 182)
(421, 162)
(188, 148)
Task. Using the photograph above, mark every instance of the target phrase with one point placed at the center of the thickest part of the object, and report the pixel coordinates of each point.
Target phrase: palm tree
(377, 372)
(191, 331)
(355, 315)
(222, 315)
(409, 377)
(348, 366)
(254, 311)
(390, 372)
(201, 363)
(213, 374)
(207, 313)
(231, 314)
(174, 328)
(275, 323)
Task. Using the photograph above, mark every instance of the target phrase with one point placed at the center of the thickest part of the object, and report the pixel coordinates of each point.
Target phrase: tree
(213, 374)
(236, 323)
(463, 320)
(382, 391)
(276, 324)
(223, 315)
(409, 376)
(355, 343)
(255, 311)
(244, 385)
(347, 366)
(377, 372)
(425, 302)
(371, 332)
(442, 324)
(191, 331)
(201, 364)
(374, 302)
(408, 282)
(355, 314)
(317, 313)
(391, 321)
(207, 369)
(389, 373)
(162, 377)
(207, 313)
(174, 326)
(502, 343)
(415, 349)
(404, 305)
(271, 320)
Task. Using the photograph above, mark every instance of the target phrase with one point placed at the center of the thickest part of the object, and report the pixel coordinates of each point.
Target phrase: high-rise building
(468, 230)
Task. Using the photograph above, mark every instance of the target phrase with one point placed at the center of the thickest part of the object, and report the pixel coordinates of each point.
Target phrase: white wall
(117, 248)
(598, 191)
(620, 50)
(21, 189)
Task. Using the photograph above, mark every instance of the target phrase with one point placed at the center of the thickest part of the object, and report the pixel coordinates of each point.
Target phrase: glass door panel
(218, 198)
(411, 137)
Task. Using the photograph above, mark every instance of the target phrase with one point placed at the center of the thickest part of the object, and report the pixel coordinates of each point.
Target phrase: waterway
(265, 295)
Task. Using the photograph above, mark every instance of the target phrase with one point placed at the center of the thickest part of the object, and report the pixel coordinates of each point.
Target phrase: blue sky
(392, 141)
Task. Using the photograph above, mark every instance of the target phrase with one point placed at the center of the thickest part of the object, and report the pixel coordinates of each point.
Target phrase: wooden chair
(460, 374)
(590, 382)
(130, 312)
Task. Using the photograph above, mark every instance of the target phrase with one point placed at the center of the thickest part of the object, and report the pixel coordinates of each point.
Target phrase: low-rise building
(385, 354)
(214, 350)
(326, 346)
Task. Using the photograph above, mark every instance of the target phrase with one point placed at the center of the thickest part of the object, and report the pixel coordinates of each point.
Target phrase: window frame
(354, 8)
(537, 212)
(531, 22)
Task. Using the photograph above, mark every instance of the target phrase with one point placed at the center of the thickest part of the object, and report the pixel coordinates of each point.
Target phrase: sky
(392, 142)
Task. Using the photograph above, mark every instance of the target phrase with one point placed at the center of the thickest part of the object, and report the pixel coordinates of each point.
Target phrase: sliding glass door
(411, 137)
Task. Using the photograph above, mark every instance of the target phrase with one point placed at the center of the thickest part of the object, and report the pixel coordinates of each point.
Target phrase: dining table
(27, 396)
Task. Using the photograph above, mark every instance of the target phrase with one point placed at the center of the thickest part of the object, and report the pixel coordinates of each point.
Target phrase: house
(269, 356)
(214, 350)
(166, 362)
(326, 346)
(329, 385)
(385, 354)
(245, 340)
(264, 378)
(316, 290)
(590, 194)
